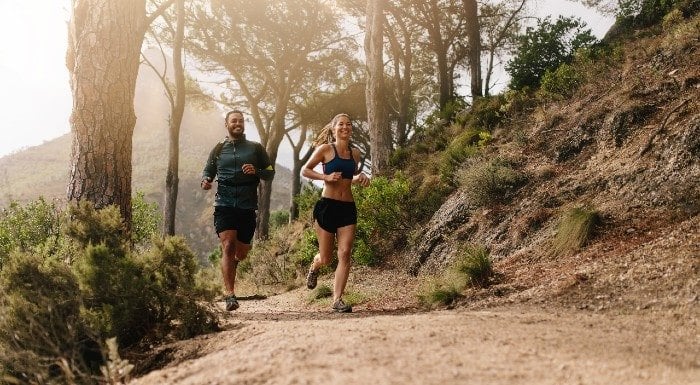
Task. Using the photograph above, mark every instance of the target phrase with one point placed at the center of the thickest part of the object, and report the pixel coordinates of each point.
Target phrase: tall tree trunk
(299, 162)
(105, 38)
(474, 38)
(379, 133)
(262, 222)
(444, 78)
(172, 179)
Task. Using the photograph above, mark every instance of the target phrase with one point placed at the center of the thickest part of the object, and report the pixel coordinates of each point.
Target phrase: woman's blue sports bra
(345, 166)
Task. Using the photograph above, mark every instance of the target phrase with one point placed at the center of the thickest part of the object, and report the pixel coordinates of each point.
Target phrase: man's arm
(264, 168)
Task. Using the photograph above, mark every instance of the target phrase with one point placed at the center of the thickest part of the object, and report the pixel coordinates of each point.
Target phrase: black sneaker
(231, 302)
(312, 279)
(341, 307)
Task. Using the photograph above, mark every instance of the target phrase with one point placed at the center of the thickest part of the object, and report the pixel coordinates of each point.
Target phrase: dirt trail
(285, 340)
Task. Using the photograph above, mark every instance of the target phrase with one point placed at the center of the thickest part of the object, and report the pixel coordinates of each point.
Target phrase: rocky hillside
(43, 170)
(627, 147)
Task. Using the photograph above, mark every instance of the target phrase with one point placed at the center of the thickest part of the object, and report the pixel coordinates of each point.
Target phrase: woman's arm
(360, 177)
(317, 157)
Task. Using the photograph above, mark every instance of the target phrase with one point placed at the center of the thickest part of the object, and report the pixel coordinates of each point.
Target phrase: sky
(34, 83)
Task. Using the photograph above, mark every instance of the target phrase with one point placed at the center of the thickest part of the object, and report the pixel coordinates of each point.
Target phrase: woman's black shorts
(330, 214)
(233, 218)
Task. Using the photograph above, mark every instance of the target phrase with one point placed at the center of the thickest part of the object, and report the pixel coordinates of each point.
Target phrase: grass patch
(576, 227)
(474, 263)
(439, 291)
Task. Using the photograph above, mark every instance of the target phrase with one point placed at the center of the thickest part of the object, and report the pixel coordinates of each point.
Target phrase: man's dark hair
(233, 112)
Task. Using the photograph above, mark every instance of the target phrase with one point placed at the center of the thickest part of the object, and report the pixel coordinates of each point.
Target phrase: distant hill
(43, 170)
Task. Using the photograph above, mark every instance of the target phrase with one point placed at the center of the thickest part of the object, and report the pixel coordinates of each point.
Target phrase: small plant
(491, 182)
(576, 227)
(321, 291)
(475, 263)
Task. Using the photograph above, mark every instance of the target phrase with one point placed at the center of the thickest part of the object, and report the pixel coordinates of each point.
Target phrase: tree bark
(105, 38)
(172, 179)
(380, 135)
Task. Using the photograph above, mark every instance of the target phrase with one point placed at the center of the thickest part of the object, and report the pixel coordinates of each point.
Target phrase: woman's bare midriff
(340, 190)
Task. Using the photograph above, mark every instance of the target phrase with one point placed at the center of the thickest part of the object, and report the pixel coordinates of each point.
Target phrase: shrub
(278, 219)
(307, 247)
(382, 214)
(486, 113)
(25, 227)
(272, 261)
(576, 227)
(172, 270)
(642, 13)
(42, 336)
(145, 219)
(306, 200)
(562, 82)
(117, 294)
(491, 182)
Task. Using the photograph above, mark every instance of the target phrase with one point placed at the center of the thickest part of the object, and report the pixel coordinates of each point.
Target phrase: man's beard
(235, 134)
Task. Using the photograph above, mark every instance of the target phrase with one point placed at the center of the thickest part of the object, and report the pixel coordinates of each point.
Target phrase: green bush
(562, 82)
(494, 181)
(307, 247)
(273, 261)
(70, 302)
(486, 113)
(171, 267)
(306, 200)
(382, 214)
(25, 227)
(117, 294)
(43, 338)
(362, 252)
(145, 219)
(278, 219)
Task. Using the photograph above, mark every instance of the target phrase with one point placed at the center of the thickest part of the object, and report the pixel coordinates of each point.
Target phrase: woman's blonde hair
(326, 134)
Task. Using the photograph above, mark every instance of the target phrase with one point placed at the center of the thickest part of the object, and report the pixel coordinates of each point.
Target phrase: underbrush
(80, 282)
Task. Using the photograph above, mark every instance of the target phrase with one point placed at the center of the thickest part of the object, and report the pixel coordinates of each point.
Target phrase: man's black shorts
(330, 214)
(233, 218)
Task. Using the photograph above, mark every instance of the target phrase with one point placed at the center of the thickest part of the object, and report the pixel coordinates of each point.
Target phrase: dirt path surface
(285, 340)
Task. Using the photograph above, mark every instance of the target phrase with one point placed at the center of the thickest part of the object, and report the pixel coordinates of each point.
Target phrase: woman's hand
(361, 179)
(332, 177)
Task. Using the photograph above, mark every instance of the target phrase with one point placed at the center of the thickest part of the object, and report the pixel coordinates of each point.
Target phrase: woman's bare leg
(346, 235)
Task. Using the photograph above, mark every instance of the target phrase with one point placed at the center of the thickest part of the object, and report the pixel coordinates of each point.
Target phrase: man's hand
(248, 169)
(206, 184)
